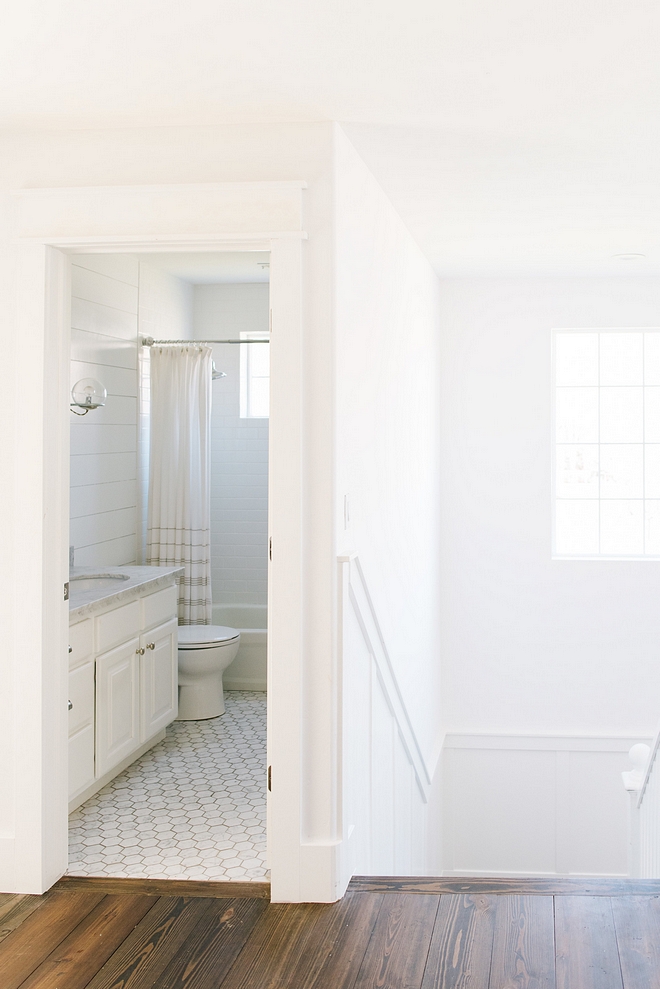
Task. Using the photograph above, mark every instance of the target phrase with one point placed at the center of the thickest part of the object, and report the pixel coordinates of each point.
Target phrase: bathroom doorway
(190, 801)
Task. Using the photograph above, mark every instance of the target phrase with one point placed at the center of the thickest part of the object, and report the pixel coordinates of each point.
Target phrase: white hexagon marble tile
(193, 807)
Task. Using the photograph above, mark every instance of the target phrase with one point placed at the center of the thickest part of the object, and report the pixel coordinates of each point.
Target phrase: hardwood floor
(387, 933)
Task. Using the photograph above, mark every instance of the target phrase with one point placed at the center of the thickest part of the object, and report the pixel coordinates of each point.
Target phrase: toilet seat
(205, 636)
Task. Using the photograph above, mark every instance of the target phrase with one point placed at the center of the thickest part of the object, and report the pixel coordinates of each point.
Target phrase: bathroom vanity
(122, 670)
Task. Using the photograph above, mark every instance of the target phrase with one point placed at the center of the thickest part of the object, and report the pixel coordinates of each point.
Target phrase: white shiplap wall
(104, 321)
(239, 448)
(116, 300)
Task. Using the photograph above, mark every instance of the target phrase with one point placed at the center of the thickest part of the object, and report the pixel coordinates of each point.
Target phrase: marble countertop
(141, 580)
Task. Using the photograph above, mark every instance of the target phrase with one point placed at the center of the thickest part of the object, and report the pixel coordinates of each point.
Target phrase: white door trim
(49, 224)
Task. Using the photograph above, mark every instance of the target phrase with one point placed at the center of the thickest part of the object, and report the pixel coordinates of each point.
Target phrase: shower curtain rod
(150, 342)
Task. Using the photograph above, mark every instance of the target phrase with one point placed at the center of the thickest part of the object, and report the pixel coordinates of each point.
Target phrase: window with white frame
(255, 378)
(607, 444)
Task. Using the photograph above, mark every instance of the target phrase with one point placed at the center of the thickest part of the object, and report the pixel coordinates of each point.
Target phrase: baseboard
(244, 683)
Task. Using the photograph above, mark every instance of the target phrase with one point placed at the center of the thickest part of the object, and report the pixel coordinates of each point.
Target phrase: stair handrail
(387, 675)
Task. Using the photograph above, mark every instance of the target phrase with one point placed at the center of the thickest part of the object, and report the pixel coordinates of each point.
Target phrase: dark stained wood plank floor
(385, 934)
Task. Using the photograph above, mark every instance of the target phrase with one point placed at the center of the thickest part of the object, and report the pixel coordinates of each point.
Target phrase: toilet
(205, 652)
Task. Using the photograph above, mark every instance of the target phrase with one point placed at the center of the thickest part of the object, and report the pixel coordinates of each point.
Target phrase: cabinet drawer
(159, 607)
(81, 642)
(81, 695)
(116, 626)
(81, 759)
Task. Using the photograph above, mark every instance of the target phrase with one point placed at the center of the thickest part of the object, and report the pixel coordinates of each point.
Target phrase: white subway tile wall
(239, 452)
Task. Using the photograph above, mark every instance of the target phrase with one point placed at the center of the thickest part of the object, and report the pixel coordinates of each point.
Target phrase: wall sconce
(88, 393)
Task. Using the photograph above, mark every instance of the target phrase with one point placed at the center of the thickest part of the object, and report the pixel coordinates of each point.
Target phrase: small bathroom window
(255, 378)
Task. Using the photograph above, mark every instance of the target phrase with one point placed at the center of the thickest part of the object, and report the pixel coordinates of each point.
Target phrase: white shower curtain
(179, 516)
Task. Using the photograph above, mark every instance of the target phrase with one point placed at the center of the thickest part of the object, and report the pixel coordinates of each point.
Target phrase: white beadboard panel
(98, 348)
(97, 318)
(91, 499)
(90, 529)
(102, 468)
(595, 794)
(113, 553)
(117, 380)
(119, 410)
(503, 811)
(102, 439)
(535, 805)
(93, 287)
(123, 267)
(385, 812)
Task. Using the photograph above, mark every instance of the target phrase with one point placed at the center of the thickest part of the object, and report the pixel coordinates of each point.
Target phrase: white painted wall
(387, 464)
(239, 448)
(104, 326)
(532, 647)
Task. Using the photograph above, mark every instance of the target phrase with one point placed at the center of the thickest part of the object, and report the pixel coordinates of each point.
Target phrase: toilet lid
(205, 635)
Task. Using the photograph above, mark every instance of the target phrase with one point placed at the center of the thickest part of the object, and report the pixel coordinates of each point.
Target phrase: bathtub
(248, 670)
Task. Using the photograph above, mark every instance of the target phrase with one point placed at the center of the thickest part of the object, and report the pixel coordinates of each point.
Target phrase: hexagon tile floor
(193, 807)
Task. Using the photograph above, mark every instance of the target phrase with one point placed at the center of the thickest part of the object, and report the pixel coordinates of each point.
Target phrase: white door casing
(49, 224)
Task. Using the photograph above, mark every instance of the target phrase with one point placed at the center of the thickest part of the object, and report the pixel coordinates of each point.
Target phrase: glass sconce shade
(88, 393)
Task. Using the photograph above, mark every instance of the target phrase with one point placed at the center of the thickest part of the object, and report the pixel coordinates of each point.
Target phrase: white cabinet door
(81, 759)
(81, 728)
(159, 688)
(117, 705)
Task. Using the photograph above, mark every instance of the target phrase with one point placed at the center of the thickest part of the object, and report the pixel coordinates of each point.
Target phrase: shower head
(215, 374)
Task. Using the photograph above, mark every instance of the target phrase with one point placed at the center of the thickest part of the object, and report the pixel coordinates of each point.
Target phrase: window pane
(260, 360)
(577, 472)
(576, 358)
(576, 528)
(576, 412)
(652, 415)
(259, 397)
(622, 471)
(621, 361)
(621, 419)
(652, 470)
(621, 528)
(652, 512)
(652, 358)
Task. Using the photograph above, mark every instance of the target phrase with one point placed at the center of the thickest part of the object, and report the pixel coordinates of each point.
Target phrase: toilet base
(201, 700)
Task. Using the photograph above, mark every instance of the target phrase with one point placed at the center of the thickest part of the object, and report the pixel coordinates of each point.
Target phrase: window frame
(593, 557)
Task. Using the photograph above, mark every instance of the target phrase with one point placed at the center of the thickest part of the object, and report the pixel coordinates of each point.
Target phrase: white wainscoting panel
(535, 805)
(385, 809)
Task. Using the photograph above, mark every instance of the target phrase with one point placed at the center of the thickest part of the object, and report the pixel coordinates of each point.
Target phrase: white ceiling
(516, 133)
(211, 268)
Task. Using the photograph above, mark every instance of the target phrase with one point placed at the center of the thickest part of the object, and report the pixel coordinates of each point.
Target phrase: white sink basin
(92, 581)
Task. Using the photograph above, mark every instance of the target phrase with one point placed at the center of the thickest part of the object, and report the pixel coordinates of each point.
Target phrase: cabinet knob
(70, 706)
(140, 651)
(151, 645)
